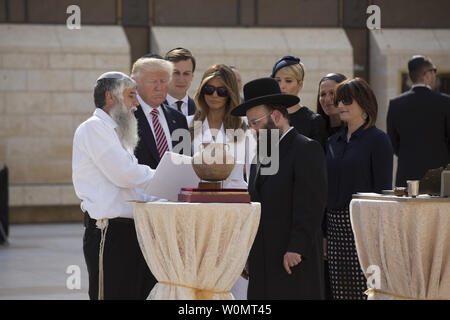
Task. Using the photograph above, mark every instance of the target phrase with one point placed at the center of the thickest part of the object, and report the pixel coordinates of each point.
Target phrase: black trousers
(126, 274)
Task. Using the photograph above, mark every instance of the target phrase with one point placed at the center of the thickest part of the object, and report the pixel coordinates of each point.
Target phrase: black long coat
(292, 208)
(418, 123)
(310, 124)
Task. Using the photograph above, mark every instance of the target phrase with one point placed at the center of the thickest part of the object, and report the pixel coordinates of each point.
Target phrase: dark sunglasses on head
(221, 91)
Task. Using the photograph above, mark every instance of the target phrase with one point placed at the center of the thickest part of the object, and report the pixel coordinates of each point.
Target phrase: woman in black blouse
(359, 159)
(290, 72)
(329, 111)
(325, 102)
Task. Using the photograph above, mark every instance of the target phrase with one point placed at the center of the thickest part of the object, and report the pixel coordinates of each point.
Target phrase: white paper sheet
(173, 172)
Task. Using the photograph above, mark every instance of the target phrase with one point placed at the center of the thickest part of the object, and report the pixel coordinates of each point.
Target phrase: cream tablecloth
(195, 250)
(409, 242)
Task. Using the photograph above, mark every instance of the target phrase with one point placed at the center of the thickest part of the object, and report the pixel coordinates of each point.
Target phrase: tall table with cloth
(409, 240)
(196, 250)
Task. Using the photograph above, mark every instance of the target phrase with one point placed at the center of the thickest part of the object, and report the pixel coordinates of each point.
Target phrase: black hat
(263, 91)
(284, 62)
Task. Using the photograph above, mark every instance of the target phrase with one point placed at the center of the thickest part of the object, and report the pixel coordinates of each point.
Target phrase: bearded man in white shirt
(106, 175)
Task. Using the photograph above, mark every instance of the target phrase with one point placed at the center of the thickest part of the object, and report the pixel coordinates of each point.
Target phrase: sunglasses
(221, 91)
(432, 69)
(344, 102)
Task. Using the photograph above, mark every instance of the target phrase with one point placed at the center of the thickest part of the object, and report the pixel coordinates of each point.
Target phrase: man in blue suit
(418, 123)
(183, 73)
(156, 120)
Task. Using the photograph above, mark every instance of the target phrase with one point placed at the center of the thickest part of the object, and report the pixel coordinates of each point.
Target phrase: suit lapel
(285, 144)
(171, 121)
(191, 106)
(146, 134)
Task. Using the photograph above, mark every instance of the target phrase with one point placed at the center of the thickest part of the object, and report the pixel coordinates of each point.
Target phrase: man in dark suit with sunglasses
(418, 123)
(286, 259)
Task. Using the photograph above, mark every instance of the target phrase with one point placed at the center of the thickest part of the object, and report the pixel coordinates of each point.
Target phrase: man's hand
(291, 259)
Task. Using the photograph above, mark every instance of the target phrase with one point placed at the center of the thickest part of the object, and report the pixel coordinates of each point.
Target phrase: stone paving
(33, 266)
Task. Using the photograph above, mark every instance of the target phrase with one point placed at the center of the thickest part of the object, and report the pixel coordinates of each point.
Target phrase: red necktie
(179, 104)
(160, 137)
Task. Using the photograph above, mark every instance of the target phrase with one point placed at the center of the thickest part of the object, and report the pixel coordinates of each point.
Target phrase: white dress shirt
(104, 174)
(173, 103)
(236, 177)
(161, 117)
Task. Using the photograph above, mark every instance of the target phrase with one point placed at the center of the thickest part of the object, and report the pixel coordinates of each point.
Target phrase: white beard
(127, 129)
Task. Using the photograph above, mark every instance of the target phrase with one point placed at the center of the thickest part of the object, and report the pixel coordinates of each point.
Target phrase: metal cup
(413, 188)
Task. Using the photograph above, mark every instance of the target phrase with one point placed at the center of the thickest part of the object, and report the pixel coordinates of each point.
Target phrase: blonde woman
(289, 72)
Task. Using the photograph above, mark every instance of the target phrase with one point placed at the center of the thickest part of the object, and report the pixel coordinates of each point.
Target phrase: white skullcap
(114, 75)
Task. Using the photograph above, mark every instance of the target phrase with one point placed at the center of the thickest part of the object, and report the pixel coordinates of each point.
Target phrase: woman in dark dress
(329, 111)
(289, 73)
(325, 102)
(359, 159)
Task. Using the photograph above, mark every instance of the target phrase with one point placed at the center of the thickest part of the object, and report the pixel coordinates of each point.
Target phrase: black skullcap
(114, 75)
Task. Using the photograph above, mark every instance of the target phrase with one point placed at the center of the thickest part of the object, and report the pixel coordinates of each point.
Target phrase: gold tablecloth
(195, 250)
(409, 242)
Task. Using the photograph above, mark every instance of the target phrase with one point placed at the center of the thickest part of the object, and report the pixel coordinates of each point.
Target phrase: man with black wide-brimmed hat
(285, 261)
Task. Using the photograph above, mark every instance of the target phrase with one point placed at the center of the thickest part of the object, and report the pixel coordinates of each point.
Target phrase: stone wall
(254, 51)
(47, 74)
